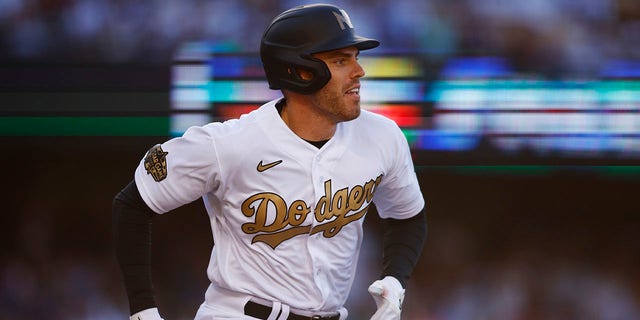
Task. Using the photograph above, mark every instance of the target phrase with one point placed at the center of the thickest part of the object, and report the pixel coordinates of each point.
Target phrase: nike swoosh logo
(262, 167)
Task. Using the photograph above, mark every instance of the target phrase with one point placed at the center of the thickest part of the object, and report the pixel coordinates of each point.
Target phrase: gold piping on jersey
(156, 163)
(331, 207)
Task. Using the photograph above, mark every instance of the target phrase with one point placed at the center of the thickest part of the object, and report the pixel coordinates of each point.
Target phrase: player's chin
(352, 113)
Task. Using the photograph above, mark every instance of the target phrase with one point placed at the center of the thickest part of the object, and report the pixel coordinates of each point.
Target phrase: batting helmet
(296, 34)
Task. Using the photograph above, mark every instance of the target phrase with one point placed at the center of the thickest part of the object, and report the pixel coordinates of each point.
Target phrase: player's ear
(301, 73)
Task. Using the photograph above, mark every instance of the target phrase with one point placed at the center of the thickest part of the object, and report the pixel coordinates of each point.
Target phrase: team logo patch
(156, 163)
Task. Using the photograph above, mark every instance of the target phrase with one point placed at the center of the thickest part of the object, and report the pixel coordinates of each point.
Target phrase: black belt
(259, 311)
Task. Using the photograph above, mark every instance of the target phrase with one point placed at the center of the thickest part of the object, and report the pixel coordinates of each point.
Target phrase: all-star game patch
(156, 163)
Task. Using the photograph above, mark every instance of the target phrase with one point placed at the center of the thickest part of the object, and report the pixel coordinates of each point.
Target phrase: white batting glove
(388, 295)
(147, 314)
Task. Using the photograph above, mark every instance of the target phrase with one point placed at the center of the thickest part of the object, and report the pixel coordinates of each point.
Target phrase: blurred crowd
(541, 246)
(454, 281)
(551, 36)
(491, 253)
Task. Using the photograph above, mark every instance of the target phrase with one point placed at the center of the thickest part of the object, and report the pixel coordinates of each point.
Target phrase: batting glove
(388, 295)
(147, 314)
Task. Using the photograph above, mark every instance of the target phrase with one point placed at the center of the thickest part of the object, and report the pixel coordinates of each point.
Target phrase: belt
(259, 311)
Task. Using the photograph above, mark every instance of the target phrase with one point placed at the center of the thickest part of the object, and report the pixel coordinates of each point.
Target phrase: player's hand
(388, 295)
(147, 314)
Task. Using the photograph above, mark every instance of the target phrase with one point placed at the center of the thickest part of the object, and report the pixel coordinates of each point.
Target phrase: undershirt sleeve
(403, 242)
(132, 235)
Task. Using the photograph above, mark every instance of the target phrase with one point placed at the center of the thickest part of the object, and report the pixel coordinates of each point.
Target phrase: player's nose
(358, 71)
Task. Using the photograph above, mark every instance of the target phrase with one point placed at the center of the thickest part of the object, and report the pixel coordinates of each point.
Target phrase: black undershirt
(317, 144)
(132, 225)
(403, 242)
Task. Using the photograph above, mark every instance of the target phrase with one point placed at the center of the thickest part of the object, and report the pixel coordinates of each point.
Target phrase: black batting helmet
(296, 34)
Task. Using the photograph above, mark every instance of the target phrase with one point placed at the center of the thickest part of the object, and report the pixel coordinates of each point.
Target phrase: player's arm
(403, 242)
(170, 175)
(132, 225)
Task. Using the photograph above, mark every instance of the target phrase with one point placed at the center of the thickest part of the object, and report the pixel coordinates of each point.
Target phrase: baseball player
(286, 187)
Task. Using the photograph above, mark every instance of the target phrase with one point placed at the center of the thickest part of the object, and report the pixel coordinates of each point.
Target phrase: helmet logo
(343, 19)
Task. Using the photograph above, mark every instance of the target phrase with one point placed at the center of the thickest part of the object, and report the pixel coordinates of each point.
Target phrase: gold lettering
(323, 207)
(276, 238)
(298, 212)
(339, 204)
(332, 228)
(356, 198)
(260, 213)
(331, 206)
(343, 202)
(370, 186)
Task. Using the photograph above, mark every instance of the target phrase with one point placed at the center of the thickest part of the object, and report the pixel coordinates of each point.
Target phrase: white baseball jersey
(286, 216)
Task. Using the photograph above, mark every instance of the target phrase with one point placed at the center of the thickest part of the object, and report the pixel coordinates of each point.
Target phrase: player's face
(339, 99)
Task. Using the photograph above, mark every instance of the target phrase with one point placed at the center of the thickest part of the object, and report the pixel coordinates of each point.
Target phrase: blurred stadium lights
(474, 100)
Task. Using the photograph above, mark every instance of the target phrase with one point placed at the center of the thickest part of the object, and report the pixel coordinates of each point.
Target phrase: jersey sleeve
(399, 195)
(178, 171)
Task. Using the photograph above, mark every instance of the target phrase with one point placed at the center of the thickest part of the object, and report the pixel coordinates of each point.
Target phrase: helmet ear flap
(300, 74)
(283, 72)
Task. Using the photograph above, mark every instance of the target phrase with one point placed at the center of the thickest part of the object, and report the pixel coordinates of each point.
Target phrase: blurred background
(523, 118)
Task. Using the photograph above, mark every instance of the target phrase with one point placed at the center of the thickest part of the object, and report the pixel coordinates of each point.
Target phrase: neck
(305, 121)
